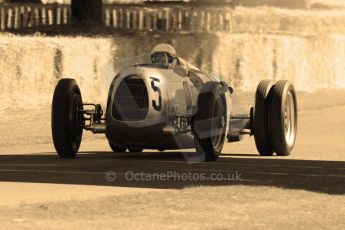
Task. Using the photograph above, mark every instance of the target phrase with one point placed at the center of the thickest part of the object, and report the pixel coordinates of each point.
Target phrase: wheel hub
(290, 119)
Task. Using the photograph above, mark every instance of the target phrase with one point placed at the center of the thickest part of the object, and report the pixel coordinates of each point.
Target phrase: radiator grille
(131, 100)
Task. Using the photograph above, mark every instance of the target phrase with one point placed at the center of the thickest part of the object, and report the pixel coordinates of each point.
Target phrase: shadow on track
(90, 168)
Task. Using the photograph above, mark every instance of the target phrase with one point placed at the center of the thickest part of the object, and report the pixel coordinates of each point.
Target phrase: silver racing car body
(153, 104)
(160, 101)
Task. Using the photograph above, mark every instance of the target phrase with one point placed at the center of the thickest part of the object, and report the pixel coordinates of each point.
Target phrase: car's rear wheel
(209, 122)
(116, 148)
(67, 119)
(261, 130)
(283, 117)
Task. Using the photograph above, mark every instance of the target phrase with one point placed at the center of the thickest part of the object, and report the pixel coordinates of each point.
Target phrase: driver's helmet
(163, 54)
(165, 48)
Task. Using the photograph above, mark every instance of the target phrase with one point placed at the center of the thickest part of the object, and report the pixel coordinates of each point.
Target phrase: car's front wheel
(209, 122)
(67, 119)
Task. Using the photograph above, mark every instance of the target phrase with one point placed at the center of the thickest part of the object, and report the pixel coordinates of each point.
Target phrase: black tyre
(136, 150)
(283, 117)
(261, 129)
(117, 149)
(67, 121)
(209, 122)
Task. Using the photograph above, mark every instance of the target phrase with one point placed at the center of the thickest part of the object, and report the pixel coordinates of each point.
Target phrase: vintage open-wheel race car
(162, 102)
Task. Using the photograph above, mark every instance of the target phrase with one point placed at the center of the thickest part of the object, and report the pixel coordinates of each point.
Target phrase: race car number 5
(155, 105)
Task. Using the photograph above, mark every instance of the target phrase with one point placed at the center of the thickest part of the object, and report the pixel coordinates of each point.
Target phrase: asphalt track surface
(317, 165)
(93, 169)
